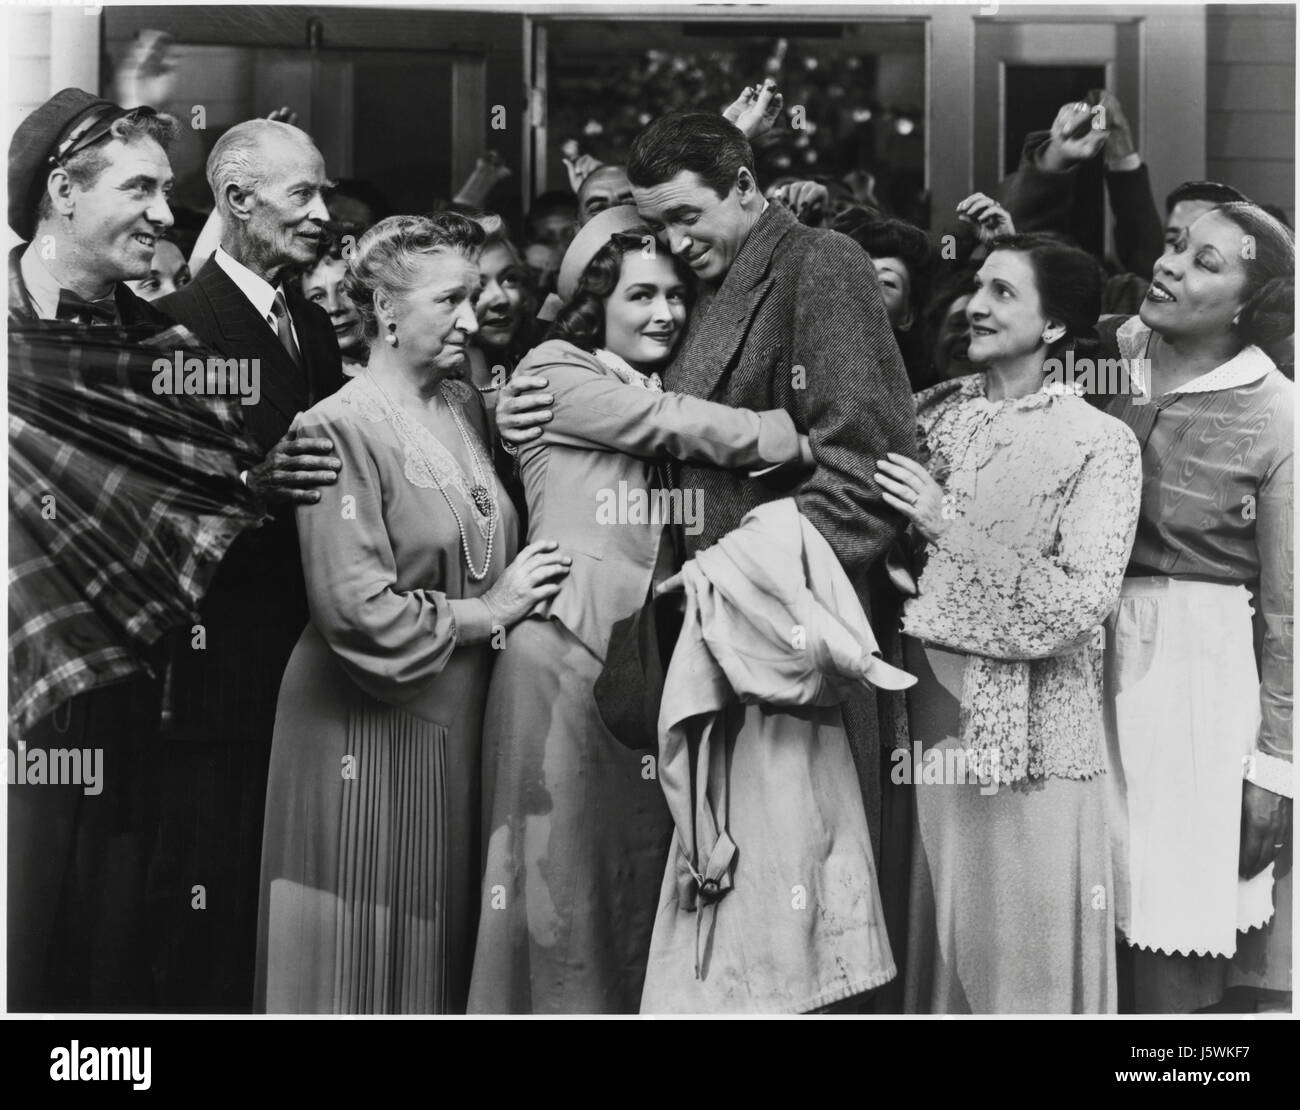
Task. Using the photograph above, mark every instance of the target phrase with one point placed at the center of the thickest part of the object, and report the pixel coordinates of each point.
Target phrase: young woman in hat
(576, 829)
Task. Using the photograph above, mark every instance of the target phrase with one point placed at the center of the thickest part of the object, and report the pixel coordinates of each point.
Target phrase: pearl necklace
(479, 493)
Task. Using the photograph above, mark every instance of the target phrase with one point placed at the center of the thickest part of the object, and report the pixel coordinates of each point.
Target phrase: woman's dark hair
(1268, 304)
(699, 142)
(582, 321)
(887, 237)
(1212, 192)
(390, 257)
(1069, 284)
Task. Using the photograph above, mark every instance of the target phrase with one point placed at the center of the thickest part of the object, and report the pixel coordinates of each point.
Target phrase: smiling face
(1199, 282)
(287, 213)
(895, 281)
(113, 224)
(323, 285)
(502, 298)
(167, 273)
(435, 318)
(1005, 313)
(704, 230)
(646, 312)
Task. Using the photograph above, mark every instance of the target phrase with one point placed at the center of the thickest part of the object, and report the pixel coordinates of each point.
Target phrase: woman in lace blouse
(369, 857)
(1027, 508)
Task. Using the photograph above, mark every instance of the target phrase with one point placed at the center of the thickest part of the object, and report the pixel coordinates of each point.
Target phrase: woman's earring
(391, 337)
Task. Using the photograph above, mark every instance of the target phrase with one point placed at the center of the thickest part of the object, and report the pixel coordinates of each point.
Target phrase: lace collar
(626, 373)
(975, 387)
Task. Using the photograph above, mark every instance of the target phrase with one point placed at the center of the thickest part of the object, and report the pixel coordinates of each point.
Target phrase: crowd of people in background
(473, 733)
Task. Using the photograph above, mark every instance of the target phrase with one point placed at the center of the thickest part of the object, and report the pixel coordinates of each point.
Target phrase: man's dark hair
(698, 142)
(1210, 191)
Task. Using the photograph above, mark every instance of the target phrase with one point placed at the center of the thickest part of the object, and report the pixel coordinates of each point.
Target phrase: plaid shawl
(122, 504)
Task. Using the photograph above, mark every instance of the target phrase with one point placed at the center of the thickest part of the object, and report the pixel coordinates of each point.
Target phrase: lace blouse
(1041, 495)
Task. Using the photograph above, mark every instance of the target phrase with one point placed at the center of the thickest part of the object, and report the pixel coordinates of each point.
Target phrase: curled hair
(389, 257)
(698, 142)
(887, 237)
(1268, 302)
(582, 321)
(1069, 282)
(84, 167)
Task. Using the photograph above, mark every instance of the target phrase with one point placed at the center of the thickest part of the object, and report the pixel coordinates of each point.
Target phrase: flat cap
(35, 140)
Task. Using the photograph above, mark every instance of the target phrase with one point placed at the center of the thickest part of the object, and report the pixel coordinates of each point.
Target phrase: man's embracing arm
(855, 401)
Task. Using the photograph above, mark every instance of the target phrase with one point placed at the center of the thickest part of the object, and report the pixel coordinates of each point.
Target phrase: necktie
(76, 309)
(284, 329)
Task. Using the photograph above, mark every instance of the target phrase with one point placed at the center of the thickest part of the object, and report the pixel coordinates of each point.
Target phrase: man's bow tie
(74, 307)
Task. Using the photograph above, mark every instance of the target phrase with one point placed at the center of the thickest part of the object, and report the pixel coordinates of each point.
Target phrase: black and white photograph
(651, 510)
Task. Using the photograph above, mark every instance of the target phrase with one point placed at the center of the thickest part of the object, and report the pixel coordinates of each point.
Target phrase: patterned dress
(370, 853)
(1011, 900)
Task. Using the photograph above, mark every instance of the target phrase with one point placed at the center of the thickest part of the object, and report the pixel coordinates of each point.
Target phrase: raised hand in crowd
(489, 171)
(579, 166)
(987, 216)
(755, 110)
(146, 73)
(808, 200)
(1078, 133)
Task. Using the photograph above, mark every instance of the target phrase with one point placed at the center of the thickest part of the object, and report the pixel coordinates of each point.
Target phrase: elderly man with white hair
(268, 179)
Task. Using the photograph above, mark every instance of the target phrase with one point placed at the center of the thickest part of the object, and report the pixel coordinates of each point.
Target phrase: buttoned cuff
(474, 620)
(1269, 772)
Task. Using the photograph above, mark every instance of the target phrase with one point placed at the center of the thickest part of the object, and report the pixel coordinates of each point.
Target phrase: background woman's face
(1005, 312)
(645, 314)
(501, 302)
(435, 319)
(323, 285)
(1199, 282)
(895, 282)
(952, 345)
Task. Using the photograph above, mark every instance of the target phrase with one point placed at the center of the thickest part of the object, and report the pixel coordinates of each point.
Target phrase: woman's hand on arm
(535, 576)
(908, 487)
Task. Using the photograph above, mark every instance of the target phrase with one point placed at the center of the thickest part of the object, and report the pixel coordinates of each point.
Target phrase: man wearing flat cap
(88, 183)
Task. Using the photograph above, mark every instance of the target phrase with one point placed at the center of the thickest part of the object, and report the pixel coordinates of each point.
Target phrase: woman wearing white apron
(1194, 716)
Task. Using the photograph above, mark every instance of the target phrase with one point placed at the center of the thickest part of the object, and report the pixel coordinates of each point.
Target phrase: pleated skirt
(369, 883)
(1011, 903)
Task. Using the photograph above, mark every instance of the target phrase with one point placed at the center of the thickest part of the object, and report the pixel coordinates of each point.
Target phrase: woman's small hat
(594, 234)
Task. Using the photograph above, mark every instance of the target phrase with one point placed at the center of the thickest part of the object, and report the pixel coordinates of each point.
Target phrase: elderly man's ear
(240, 201)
